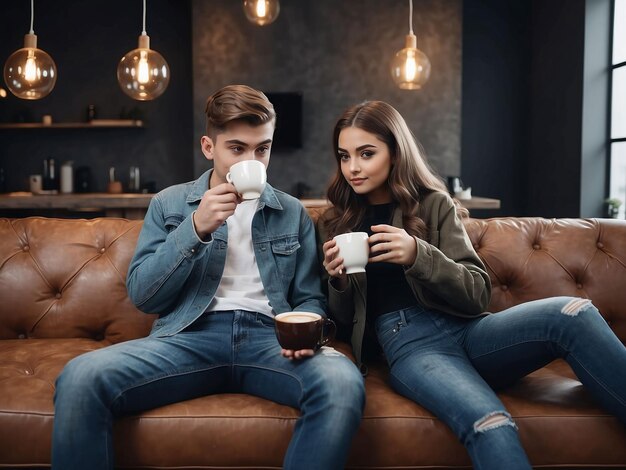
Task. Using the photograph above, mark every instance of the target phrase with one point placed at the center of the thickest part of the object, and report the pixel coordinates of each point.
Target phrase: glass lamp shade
(410, 68)
(261, 12)
(143, 74)
(30, 73)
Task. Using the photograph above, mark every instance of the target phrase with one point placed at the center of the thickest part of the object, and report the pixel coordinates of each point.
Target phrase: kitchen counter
(134, 205)
(127, 205)
(475, 202)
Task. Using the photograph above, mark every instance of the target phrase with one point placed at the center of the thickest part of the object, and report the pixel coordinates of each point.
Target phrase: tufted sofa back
(65, 278)
(533, 258)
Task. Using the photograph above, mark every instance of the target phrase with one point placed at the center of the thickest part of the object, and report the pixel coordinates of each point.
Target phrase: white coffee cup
(354, 248)
(248, 177)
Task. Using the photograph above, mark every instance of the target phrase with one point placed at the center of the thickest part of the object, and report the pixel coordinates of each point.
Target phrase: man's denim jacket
(175, 274)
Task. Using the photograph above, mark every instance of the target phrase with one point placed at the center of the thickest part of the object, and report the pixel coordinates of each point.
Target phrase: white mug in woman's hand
(354, 248)
(248, 177)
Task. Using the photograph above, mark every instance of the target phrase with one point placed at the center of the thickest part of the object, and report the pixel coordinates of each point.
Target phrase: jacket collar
(200, 186)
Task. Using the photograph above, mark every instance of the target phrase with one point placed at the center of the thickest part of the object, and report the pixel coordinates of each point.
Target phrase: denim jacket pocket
(285, 246)
(285, 254)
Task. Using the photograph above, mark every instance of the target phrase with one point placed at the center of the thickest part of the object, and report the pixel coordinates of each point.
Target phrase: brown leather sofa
(62, 293)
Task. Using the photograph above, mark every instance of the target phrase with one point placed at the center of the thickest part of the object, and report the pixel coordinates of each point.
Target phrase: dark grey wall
(337, 53)
(86, 40)
(569, 102)
(496, 59)
(534, 109)
(512, 70)
(556, 108)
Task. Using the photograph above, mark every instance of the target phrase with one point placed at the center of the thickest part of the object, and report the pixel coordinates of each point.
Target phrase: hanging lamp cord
(32, 16)
(143, 31)
(410, 16)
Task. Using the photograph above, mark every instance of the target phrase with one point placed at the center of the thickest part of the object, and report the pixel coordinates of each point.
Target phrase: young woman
(423, 297)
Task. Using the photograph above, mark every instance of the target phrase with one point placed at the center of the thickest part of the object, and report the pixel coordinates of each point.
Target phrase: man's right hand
(216, 206)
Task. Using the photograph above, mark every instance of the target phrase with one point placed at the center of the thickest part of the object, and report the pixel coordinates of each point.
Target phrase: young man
(216, 269)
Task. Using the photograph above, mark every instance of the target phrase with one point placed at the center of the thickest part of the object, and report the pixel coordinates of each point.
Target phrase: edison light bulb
(261, 12)
(143, 69)
(143, 74)
(30, 73)
(410, 68)
(260, 8)
(30, 69)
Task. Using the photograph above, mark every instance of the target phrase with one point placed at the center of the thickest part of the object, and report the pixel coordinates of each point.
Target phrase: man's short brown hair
(237, 103)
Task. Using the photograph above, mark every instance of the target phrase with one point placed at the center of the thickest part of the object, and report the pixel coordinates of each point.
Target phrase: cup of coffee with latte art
(303, 330)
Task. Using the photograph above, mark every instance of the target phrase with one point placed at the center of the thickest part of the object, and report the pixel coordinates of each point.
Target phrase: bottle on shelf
(67, 177)
(50, 181)
(91, 112)
(114, 186)
(83, 179)
(134, 180)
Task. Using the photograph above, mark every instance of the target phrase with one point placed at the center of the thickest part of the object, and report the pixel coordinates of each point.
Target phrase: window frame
(610, 139)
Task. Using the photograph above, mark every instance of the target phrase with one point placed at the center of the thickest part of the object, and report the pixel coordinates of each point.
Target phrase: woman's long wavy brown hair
(410, 178)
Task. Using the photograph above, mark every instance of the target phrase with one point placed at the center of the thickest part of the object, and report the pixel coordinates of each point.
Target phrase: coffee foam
(298, 317)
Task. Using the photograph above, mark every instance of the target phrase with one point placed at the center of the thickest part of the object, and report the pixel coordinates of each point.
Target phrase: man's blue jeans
(234, 351)
(451, 365)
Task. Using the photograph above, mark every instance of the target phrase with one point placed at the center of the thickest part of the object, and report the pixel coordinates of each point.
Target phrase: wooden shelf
(95, 124)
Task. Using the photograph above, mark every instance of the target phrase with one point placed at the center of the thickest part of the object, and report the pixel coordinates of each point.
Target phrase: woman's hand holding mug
(393, 245)
(333, 263)
(350, 252)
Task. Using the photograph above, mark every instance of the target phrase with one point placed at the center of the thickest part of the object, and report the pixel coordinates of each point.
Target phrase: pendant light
(143, 73)
(30, 73)
(410, 68)
(261, 12)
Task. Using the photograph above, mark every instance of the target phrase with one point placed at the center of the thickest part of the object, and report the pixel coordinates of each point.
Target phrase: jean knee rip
(575, 306)
(494, 420)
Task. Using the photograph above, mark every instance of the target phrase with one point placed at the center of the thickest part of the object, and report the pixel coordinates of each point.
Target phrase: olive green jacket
(447, 274)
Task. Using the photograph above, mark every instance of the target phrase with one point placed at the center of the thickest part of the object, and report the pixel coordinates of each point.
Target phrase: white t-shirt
(240, 287)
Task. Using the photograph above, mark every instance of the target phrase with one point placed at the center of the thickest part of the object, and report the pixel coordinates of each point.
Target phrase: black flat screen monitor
(288, 107)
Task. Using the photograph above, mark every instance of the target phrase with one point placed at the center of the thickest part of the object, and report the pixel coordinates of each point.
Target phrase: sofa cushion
(557, 419)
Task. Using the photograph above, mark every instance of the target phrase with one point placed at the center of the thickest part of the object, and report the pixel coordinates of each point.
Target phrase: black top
(387, 288)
